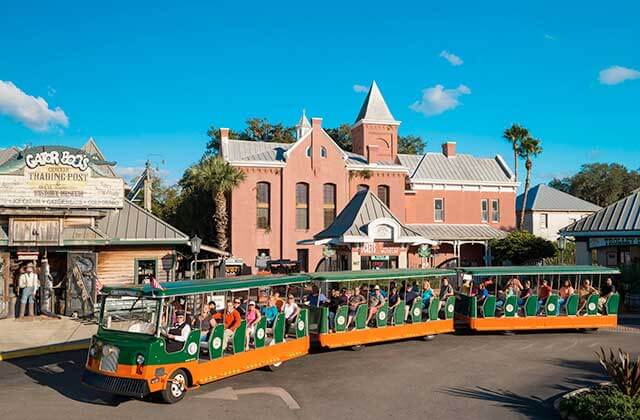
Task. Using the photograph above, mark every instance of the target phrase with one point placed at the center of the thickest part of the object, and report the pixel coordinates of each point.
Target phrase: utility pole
(147, 186)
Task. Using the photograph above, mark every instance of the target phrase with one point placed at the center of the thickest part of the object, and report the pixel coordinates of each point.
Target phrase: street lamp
(195, 250)
(562, 245)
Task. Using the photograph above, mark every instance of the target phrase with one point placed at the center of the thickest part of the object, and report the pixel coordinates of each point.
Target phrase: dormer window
(323, 152)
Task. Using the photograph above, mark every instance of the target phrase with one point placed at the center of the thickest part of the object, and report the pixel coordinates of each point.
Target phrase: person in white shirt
(28, 284)
(291, 311)
(179, 333)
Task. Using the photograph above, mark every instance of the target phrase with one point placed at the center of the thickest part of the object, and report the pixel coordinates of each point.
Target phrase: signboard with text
(607, 242)
(379, 248)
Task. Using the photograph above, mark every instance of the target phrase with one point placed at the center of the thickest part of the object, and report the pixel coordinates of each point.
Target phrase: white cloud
(453, 59)
(360, 88)
(617, 74)
(34, 112)
(549, 37)
(129, 171)
(436, 100)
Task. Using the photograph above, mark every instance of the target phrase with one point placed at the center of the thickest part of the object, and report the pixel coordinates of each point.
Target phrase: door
(81, 283)
(5, 283)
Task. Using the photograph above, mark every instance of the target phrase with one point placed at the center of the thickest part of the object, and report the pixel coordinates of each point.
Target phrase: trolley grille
(122, 386)
(109, 358)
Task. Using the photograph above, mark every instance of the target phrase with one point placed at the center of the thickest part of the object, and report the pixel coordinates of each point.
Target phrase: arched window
(263, 205)
(383, 194)
(308, 152)
(363, 187)
(329, 203)
(323, 152)
(302, 205)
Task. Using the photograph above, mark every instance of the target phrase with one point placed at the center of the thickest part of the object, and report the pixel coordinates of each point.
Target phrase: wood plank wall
(116, 264)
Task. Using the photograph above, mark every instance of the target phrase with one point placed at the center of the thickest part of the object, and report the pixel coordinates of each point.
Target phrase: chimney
(316, 123)
(224, 134)
(449, 149)
(372, 153)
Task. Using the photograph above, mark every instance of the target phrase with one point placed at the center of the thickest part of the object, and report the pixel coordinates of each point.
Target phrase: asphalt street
(451, 377)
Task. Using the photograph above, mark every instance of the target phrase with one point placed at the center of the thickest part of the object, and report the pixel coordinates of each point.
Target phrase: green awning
(191, 287)
(380, 274)
(538, 270)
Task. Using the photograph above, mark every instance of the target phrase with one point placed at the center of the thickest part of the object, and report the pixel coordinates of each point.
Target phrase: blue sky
(150, 77)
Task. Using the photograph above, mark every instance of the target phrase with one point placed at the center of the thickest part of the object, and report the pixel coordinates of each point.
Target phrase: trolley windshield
(133, 314)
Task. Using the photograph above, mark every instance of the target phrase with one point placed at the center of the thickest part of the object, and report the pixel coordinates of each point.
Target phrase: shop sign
(607, 242)
(379, 258)
(378, 248)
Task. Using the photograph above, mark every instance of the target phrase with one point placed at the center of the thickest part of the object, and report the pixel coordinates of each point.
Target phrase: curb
(48, 349)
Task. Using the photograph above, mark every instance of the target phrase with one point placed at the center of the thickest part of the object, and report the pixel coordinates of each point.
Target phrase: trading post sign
(58, 178)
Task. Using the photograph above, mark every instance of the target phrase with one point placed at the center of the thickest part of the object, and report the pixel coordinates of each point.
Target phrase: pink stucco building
(300, 201)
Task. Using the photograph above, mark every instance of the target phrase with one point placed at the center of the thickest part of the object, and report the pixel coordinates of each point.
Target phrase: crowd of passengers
(523, 290)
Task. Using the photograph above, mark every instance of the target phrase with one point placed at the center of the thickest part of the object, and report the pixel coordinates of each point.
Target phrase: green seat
(302, 324)
(240, 338)
(398, 313)
(361, 316)
(323, 322)
(489, 307)
(342, 316)
(260, 334)
(510, 306)
(216, 338)
(473, 307)
(434, 308)
(531, 306)
(382, 316)
(415, 314)
(572, 304)
(611, 306)
(278, 328)
(551, 305)
(450, 307)
(592, 305)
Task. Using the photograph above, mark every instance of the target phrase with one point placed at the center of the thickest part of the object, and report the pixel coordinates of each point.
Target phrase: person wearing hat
(28, 283)
(252, 317)
(375, 302)
(178, 334)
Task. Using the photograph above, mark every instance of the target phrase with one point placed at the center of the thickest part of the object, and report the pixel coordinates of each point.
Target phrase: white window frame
(484, 213)
(435, 210)
(544, 220)
(495, 212)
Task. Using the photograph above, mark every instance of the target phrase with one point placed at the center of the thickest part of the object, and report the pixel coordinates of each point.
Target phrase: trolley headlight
(93, 351)
(139, 359)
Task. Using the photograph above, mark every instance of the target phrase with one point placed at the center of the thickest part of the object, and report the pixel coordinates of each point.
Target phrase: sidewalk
(43, 335)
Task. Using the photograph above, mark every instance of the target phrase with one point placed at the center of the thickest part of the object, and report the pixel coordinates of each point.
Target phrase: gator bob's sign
(64, 178)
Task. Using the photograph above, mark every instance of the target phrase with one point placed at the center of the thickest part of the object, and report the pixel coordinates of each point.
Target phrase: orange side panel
(542, 323)
(376, 335)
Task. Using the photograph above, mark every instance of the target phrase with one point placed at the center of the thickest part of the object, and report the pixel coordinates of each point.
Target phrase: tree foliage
(515, 135)
(520, 247)
(411, 145)
(600, 183)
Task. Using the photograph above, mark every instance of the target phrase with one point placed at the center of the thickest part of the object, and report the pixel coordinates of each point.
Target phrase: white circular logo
(192, 349)
(260, 333)
(217, 342)
(592, 306)
(341, 320)
(450, 308)
(382, 315)
(301, 325)
(416, 312)
(551, 307)
(509, 308)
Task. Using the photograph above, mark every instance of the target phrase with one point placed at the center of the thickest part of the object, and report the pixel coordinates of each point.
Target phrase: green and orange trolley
(128, 355)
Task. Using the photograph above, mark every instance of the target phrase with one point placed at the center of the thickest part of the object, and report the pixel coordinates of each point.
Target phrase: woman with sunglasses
(291, 311)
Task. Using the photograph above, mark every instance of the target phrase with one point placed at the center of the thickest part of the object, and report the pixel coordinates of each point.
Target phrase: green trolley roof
(538, 270)
(191, 287)
(380, 274)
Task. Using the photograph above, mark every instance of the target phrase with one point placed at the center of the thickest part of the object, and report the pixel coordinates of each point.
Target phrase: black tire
(274, 366)
(176, 387)
(429, 337)
(357, 347)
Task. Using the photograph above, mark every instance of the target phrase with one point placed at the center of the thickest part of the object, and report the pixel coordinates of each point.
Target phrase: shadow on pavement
(588, 373)
(62, 374)
(531, 407)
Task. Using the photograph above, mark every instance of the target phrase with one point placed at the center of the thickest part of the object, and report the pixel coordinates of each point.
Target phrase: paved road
(452, 377)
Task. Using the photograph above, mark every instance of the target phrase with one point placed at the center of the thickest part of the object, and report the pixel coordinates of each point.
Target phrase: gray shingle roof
(247, 150)
(375, 108)
(543, 197)
(354, 219)
(464, 168)
(132, 223)
(619, 217)
(444, 232)
(5, 154)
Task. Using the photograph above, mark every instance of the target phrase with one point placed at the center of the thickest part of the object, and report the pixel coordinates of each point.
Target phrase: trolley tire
(357, 347)
(588, 330)
(176, 387)
(508, 332)
(429, 337)
(274, 366)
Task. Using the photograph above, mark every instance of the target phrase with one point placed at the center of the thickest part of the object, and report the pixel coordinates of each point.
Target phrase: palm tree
(515, 135)
(529, 147)
(216, 177)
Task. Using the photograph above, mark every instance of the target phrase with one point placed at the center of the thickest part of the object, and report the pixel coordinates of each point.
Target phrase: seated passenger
(178, 334)
(334, 303)
(354, 301)
(278, 301)
(203, 322)
(525, 293)
(232, 321)
(544, 291)
(252, 318)
(446, 291)
(409, 297)
(316, 298)
(466, 288)
(516, 285)
(607, 290)
(291, 311)
(427, 295)
(270, 312)
(584, 292)
(564, 292)
(375, 302)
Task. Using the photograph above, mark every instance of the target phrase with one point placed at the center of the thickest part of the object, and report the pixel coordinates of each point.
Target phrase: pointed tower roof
(303, 121)
(375, 109)
(92, 148)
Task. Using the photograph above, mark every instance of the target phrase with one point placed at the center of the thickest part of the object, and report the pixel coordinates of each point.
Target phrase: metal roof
(133, 224)
(189, 287)
(354, 219)
(92, 148)
(5, 154)
(83, 233)
(249, 150)
(392, 274)
(542, 197)
(374, 108)
(538, 269)
(457, 232)
(461, 167)
(621, 217)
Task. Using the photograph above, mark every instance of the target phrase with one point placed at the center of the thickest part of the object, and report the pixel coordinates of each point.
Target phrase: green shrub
(602, 403)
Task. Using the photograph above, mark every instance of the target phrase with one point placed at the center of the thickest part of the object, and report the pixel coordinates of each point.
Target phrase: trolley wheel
(357, 347)
(428, 337)
(588, 330)
(508, 332)
(176, 387)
